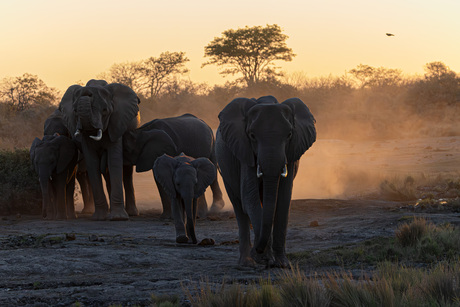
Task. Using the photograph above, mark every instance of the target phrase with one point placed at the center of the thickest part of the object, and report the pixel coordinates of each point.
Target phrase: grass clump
(390, 285)
(165, 300)
(415, 241)
(408, 234)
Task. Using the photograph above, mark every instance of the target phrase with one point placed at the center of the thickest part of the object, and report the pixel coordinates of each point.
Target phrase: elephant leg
(101, 206)
(165, 201)
(69, 200)
(86, 193)
(130, 199)
(280, 222)
(177, 211)
(115, 164)
(217, 200)
(59, 182)
(244, 236)
(202, 207)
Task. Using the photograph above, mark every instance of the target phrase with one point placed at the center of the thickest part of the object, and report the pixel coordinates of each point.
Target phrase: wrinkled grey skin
(258, 147)
(54, 158)
(184, 179)
(98, 115)
(183, 134)
(55, 124)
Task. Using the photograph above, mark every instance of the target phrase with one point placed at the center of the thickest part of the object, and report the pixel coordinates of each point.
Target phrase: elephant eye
(289, 135)
(252, 136)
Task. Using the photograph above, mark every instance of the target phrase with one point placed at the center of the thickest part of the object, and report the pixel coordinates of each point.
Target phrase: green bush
(19, 186)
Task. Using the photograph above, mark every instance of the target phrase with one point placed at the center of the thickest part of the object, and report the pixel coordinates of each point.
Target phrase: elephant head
(184, 179)
(142, 148)
(52, 158)
(99, 107)
(268, 137)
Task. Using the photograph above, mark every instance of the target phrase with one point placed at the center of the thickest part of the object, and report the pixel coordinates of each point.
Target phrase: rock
(314, 224)
(207, 241)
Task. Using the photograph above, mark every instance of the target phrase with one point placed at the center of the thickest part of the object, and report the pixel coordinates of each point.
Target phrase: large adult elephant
(174, 135)
(98, 115)
(258, 146)
(55, 124)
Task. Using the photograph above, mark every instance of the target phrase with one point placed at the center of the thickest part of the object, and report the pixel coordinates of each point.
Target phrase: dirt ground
(103, 263)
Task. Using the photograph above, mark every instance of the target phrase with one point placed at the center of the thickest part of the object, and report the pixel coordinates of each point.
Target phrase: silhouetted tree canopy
(149, 77)
(250, 51)
(25, 91)
(368, 76)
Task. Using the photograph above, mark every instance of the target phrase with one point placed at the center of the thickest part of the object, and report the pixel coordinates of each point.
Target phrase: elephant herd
(96, 133)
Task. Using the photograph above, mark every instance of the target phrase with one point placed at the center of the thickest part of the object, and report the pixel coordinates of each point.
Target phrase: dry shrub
(409, 234)
(296, 290)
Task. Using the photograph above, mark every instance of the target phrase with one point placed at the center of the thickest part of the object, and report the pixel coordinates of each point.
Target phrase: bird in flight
(389, 34)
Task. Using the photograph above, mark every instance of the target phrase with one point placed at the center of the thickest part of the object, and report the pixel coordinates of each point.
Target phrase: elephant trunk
(189, 203)
(87, 119)
(270, 195)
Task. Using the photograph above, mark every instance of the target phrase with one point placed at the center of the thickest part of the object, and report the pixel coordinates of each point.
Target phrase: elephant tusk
(77, 133)
(98, 137)
(285, 172)
(259, 173)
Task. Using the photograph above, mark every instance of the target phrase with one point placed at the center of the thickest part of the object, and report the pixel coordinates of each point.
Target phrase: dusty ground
(102, 263)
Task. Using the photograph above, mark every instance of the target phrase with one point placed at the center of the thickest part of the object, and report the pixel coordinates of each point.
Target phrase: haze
(68, 41)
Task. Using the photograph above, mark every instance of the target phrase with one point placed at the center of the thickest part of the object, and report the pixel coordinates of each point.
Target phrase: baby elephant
(55, 158)
(184, 179)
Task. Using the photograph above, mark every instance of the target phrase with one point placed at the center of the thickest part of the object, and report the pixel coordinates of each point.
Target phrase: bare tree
(128, 73)
(157, 72)
(368, 76)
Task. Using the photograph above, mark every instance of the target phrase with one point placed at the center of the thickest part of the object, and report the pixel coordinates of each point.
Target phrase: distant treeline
(365, 103)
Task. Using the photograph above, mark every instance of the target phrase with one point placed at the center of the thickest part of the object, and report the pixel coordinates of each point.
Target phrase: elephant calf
(184, 179)
(55, 158)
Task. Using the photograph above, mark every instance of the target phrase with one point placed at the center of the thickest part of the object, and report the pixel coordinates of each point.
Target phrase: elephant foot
(132, 211)
(281, 261)
(99, 215)
(265, 258)
(165, 215)
(87, 210)
(181, 239)
(202, 213)
(217, 206)
(118, 214)
(61, 217)
(247, 261)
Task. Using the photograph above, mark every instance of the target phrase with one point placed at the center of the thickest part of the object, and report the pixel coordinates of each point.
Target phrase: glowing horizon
(68, 41)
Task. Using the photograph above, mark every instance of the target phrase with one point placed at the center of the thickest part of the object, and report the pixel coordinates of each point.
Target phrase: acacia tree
(157, 72)
(250, 51)
(24, 91)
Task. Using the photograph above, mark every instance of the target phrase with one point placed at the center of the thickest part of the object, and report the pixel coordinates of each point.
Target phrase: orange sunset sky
(68, 41)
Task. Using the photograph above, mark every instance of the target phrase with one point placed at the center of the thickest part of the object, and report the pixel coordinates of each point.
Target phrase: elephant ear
(163, 170)
(304, 132)
(68, 153)
(125, 114)
(206, 173)
(153, 144)
(233, 129)
(66, 108)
